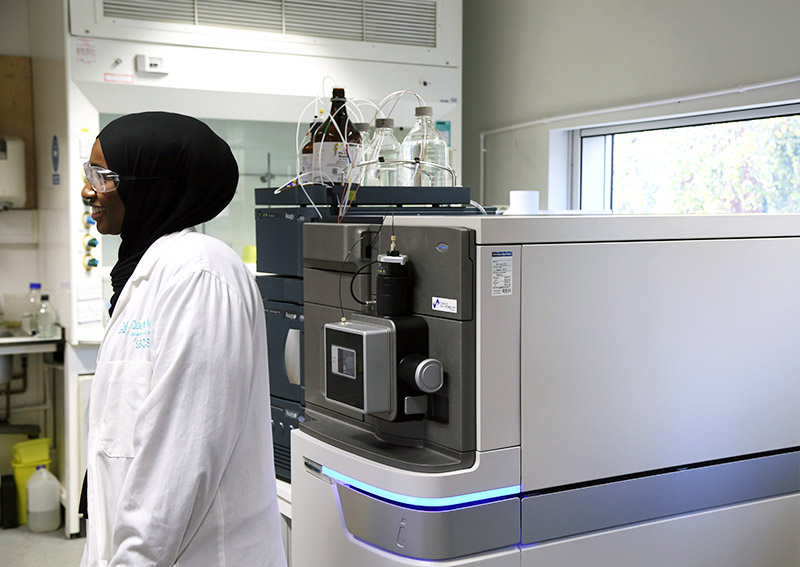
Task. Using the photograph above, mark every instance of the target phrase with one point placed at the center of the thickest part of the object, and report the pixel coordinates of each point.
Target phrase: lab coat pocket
(128, 386)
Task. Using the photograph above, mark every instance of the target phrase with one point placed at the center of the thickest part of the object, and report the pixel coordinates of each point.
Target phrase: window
(739, 162)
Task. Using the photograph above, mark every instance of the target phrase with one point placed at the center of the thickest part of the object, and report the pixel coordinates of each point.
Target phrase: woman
(180, 465)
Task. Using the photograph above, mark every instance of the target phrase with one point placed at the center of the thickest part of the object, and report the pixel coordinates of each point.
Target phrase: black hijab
(179, 174)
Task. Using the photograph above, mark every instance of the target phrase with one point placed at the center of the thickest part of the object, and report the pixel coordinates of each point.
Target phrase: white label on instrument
(502, 273)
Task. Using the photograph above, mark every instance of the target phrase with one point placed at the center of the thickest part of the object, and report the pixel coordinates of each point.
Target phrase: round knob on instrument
(429, 375)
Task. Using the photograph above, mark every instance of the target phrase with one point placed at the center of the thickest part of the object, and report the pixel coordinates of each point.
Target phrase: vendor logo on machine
(444, 304)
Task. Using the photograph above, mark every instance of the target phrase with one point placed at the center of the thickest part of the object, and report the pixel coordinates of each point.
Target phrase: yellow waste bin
(25, 457)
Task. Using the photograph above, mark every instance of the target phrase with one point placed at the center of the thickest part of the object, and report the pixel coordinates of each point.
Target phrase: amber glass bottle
(307, 153)
(337, 143)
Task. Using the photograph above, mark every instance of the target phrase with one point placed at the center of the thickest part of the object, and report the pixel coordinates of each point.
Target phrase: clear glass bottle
(426, 144)
(357, 173)
(46, 319)
(32, 302)
(336, 143)
(384, 145)
(363, 129)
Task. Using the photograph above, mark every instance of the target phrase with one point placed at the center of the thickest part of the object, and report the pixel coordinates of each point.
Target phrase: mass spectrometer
(550, 391)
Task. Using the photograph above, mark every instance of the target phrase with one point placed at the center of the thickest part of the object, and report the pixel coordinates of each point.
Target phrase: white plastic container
(44, 501)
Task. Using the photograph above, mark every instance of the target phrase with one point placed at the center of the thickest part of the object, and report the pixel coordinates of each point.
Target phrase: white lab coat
(180, 445)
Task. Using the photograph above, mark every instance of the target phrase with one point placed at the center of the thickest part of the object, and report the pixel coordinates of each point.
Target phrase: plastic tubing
(397, 95)
(344, 205)
(478, 206)
(359, 102)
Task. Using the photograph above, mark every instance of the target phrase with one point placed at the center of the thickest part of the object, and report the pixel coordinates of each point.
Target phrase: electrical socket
(150, 65)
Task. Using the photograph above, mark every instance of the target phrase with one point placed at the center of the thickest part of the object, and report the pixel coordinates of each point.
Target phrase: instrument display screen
(343, 362)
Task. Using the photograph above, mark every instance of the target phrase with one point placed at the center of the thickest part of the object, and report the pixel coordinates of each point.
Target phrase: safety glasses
(102, 180)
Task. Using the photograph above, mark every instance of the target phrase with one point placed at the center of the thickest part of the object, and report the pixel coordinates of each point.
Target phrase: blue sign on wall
(54, 151)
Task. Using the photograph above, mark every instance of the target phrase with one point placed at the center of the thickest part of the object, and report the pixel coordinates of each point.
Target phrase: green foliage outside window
(750, 166)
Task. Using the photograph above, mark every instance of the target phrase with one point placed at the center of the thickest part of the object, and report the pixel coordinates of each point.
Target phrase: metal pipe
(8, 392)
(482, 165)
(47, 403)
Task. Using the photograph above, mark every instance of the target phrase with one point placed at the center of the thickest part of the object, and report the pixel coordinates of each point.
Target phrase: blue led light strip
(441, 502)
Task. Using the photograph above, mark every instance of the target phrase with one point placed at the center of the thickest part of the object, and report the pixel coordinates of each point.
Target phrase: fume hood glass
(265, 152)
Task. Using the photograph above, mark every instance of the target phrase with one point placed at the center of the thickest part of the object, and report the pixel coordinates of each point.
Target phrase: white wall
(526, 60)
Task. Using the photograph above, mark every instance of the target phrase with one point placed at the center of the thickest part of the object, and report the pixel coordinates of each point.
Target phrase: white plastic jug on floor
(44, 501)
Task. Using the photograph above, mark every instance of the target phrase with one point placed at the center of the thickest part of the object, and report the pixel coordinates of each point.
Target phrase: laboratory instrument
(602, 390)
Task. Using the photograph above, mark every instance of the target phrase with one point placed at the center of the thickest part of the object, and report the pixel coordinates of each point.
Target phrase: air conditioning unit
(425, 32)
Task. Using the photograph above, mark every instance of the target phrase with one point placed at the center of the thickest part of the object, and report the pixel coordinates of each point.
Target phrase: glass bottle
(426, 144)
(363, 129)
(46, 319)
(384, 145)
(32, 302)
(336, 143)
(307, 153)
(357, 173)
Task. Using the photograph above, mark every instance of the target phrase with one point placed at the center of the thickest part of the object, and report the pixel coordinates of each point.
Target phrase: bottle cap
(423, 111)
(35, 286)
(384, 123)
(45, 297)
(40, 467)
(361, 126)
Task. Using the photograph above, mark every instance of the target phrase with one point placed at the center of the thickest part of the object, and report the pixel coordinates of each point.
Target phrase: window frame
(595, 171)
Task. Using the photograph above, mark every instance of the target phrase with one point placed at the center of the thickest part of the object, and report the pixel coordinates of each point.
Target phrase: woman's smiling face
(108, 210)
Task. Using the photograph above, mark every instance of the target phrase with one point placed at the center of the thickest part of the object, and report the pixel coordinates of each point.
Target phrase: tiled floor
(19, 547)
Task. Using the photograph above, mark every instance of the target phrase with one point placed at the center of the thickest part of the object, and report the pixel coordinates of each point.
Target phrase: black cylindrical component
(421, 373)
(394, 287)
